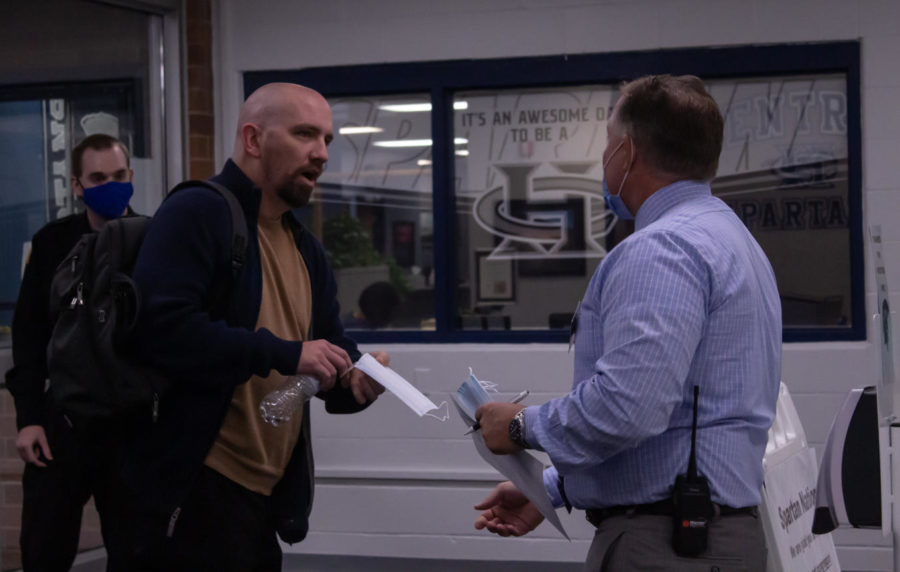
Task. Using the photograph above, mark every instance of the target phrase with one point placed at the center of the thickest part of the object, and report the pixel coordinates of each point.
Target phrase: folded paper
(524, 470)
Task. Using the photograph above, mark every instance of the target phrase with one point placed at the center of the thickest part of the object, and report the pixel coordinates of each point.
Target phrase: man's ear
(76, 187)
(130, 175)
(250, 139)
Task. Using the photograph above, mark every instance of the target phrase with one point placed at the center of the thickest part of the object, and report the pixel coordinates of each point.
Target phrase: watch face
(516, 428)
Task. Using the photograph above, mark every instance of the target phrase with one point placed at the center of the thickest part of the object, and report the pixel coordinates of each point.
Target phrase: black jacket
(31, 326)
(207, 351)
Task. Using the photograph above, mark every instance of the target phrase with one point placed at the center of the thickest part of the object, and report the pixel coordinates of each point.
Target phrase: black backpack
(94, 372)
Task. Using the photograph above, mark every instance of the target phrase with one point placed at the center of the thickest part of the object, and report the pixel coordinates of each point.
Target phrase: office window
(534, 225)
(518, 223)
(373, 211)
(23, 205)
(784, 171)
(531, 222)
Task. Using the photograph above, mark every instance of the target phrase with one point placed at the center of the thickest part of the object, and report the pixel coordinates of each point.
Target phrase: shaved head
(270, 103)
(283, 131)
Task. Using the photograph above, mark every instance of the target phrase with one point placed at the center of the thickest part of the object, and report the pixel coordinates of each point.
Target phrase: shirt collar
(667, 197)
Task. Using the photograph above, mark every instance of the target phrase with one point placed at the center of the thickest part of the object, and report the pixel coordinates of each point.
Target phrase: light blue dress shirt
(688, 299)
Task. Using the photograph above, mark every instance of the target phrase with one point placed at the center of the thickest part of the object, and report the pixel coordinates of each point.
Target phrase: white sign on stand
(789, 498)
(888, 432)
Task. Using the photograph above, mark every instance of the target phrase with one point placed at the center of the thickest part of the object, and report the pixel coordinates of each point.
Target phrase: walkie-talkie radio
(692, 505)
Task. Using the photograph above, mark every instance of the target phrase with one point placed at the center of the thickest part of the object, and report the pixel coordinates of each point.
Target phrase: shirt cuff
(29, 412)
(286, 356)
(531, 425)
(551, 483)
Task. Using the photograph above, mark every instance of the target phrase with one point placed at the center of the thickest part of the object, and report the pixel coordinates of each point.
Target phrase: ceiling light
(414, 107)
(357, 130)
(423, 162)
(415, 142)
(404, 143)
(406, 107)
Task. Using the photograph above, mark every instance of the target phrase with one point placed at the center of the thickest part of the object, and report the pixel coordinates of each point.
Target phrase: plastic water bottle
(279, 405)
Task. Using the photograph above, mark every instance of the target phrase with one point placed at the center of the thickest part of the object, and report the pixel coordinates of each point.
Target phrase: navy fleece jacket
(183, 266)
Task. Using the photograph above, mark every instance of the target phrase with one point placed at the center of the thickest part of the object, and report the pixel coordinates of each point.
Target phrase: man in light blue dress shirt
(689, 300)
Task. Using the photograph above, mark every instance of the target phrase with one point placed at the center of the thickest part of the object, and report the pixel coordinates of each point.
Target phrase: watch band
(517, 429)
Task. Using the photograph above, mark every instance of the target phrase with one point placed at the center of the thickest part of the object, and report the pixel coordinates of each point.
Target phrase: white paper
(394, 382)
(523, 469)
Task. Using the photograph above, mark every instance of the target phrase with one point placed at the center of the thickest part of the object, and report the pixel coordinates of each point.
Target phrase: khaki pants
(644, 542)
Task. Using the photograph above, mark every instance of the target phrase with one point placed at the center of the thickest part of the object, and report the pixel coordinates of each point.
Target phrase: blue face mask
(614, 202)
(108, 200)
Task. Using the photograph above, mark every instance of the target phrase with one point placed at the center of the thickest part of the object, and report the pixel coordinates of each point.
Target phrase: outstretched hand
(508, 512)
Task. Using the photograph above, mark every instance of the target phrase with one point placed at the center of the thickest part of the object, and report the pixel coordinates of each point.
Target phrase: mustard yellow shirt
(248, 450)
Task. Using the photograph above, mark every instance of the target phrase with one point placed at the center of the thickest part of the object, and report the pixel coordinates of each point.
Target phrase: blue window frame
(831, 68)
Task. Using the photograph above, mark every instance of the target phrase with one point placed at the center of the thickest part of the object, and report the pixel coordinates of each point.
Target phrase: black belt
(660, 508)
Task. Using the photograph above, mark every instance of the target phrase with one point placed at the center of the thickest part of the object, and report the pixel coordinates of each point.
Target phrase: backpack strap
(238, 222)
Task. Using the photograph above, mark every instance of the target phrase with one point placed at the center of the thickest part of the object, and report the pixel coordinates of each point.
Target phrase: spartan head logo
(560, 216)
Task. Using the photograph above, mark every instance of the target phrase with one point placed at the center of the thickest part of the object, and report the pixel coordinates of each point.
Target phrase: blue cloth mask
(108, 200)
(614, 202)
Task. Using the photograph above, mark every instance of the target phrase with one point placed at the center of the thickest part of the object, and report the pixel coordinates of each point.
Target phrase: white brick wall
(429, 514)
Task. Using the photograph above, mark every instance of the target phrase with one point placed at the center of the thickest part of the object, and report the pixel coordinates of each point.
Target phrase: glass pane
(532, 225)
(36, 140)
(784, 170)
(373, 211)
(23, 196)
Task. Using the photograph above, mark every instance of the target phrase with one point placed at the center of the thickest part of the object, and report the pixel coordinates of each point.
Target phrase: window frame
(443, 79)
(130, 87)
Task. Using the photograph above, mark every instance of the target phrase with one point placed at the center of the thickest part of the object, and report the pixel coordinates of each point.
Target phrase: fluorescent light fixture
(406, 107)
(423, 162)
(404, 143)
(358, 130)
(462, 152)
(414, 107)
(415, 142)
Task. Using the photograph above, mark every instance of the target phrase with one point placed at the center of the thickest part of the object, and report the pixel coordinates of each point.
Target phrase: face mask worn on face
(109, 199)
(614, 202)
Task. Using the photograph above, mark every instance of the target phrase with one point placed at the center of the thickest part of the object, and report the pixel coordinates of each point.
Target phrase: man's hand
(324, 361)
(31, 443)
(364, 388)
(494, 418)
(508, 512)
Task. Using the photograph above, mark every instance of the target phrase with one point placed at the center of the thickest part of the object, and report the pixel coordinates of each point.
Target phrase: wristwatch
(517, 429)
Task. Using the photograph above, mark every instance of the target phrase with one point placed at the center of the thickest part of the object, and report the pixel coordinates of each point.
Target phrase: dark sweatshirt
(207, 348)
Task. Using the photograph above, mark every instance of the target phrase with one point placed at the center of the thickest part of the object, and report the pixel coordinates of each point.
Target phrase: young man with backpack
(210, 483)
(64, 466)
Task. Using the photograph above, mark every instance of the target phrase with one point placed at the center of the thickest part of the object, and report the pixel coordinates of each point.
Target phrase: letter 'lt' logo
(552, 217)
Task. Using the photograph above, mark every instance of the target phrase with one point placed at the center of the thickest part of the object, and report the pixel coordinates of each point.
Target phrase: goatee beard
(295, 196)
